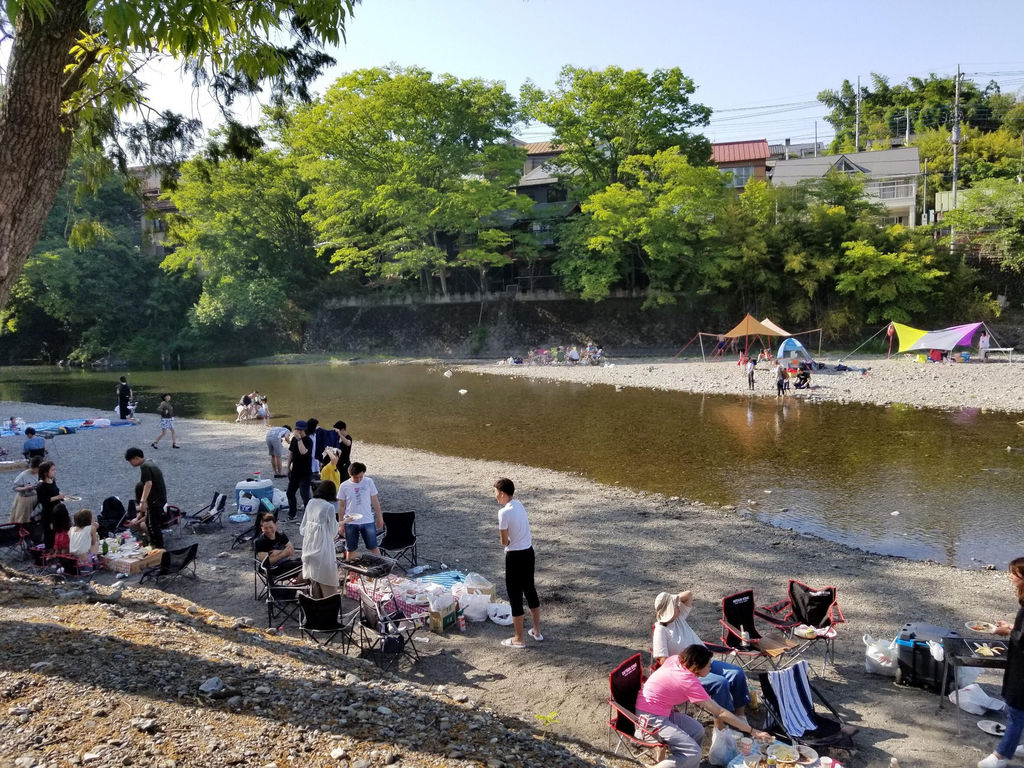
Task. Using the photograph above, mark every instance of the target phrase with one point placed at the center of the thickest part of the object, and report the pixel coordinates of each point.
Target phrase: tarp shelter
(790, 348)
(769, 324)
(748, 326)
(913, 339)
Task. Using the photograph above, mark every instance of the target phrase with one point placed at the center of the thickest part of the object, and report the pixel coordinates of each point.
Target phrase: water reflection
(838, 471)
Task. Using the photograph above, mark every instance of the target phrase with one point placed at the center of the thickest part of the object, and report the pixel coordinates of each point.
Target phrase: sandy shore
(993, 386)
(603, 554)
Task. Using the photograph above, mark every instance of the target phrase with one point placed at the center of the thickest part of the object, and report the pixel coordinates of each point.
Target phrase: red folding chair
(634, 738)
(806, 606)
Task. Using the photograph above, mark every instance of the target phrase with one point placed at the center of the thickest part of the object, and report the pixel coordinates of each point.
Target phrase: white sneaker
(993, 762)
(1020, 751)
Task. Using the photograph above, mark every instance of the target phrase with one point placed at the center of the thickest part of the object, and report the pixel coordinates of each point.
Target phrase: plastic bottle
(105, 548)
(744, 638)
(462, 621)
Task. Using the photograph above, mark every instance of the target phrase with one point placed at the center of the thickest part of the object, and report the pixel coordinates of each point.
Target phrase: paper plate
(73, 498)
(986, 627)
(807, 755)
(349, 518)
(991, 727)
(240, 519)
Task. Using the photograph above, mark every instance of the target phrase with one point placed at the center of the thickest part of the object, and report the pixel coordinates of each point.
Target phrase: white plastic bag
(974, 700)
(723, 746)
(500, 613)
(880, 656)
(474, 607)
(459, 591)
(477, 583)
(438, 598)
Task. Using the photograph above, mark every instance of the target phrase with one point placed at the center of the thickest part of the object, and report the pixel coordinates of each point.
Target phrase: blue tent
(791, 348)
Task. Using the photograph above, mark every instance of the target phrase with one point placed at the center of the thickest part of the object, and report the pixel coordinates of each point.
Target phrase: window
(740, 176)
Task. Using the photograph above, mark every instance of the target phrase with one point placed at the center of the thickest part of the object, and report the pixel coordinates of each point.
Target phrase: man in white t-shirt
(514, 529)
(357, 501)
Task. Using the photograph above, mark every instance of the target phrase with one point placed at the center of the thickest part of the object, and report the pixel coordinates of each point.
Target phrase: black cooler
(917, 667)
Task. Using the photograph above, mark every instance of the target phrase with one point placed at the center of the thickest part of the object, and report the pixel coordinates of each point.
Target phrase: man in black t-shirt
(273, 547)
(153, 498)
(300, 467)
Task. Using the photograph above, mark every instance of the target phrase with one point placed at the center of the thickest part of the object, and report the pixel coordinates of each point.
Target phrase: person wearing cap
(276, 438)
(725, 683)
(34, 445)
(300, 467)
(676, 682)
(319, 530)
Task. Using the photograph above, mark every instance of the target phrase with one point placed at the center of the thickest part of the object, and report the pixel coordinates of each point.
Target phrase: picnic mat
(445, 578)
(60, 427)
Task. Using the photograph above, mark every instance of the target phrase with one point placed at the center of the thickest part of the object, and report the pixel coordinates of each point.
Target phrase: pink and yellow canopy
(913, 339)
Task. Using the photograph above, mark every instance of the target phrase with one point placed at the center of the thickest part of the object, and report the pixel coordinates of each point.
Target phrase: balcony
(890, 190)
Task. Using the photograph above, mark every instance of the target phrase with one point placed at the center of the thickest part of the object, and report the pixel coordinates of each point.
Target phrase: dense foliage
(400, 181)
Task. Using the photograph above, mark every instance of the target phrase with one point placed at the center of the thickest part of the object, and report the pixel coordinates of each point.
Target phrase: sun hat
(665, 607)
(300, 424)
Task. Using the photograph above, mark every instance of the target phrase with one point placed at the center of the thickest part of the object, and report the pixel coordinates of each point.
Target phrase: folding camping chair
(282, 598)
(260, 585)
(399, 542)
(634, 738)
(173, 563)
(751, 649)
(12, 539)
(386, 636)
(789, 698)
(207, 517)
(322, 621)
(113, 517)
(808, 607)
(171, 526)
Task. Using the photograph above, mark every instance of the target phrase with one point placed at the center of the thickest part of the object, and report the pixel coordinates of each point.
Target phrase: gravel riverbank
(603, 554)
(993, 385)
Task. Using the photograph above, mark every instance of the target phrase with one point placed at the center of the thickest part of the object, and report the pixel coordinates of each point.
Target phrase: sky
(759, 66)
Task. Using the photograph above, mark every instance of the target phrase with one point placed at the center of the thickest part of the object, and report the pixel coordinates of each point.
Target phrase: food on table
(984, 649)
(981, 626)
(784, 753)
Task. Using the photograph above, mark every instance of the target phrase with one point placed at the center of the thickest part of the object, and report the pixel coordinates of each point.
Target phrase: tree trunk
(35, 135)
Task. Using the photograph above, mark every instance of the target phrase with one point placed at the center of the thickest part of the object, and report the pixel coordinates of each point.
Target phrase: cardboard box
(442, 620)
(489, 591)
(133, 565)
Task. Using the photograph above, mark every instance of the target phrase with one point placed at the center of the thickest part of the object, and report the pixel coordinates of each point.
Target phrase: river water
(836, 471)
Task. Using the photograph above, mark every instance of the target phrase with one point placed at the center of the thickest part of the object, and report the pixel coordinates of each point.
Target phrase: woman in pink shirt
(676, 682)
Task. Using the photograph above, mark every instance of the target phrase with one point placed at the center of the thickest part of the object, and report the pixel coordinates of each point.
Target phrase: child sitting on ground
(84, 538)
(61, 524)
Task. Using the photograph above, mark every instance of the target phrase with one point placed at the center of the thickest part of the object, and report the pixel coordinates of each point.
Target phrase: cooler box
(917, 667)
(249, 493)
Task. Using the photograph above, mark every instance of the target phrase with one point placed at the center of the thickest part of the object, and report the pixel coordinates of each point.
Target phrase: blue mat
(56, 427)
(444, 578)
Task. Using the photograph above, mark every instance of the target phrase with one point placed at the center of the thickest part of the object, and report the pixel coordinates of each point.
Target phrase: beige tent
(748, 326)
(769, 324)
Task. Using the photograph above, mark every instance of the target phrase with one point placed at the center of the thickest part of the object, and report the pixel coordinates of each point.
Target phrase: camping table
(368, 568)
(958, 653)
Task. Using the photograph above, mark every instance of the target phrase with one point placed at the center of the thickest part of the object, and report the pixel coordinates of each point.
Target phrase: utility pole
(816, 142)
(856, 134)
(906, 139)
(956, 135)
(924, 196)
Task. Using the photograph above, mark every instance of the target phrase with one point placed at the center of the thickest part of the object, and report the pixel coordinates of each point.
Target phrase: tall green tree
(73, 71)
(601, 118)
(992, 216)
(403, 164)
(240, 231)
(660, 221)
(93, 290)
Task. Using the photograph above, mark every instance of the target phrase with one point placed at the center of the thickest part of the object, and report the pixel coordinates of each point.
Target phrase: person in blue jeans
(1013, 677)
(726, 683)
(359, 511)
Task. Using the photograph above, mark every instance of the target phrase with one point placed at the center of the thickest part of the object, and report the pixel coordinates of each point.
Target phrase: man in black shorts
(300, 467)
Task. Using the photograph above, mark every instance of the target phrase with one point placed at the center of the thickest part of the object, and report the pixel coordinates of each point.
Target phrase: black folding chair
(173, 563)
(284, 570)
(789, 700)
(173, 517)
(637, 740)
(385, 636)
(808, 607)
(399, 542)
(282, 599)
(210, 516)
(321, 620)
(12, 539)
(740, 634)
(113, 517)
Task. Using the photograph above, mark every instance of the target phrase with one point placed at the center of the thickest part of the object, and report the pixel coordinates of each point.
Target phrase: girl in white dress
(319, 530)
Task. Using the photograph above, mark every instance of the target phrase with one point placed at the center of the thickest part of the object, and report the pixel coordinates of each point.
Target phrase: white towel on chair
(793, 692)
